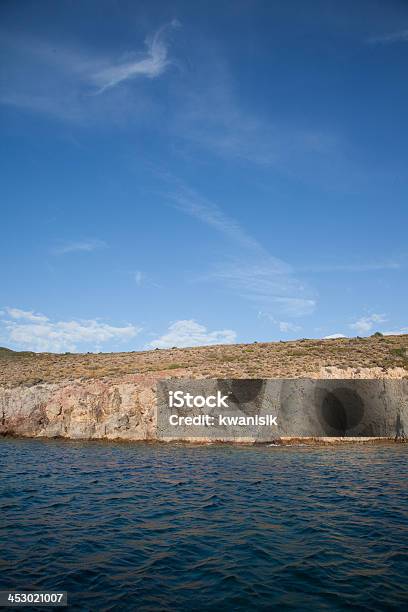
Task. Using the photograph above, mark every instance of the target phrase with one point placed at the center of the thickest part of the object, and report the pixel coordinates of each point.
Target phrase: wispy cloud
(64, 82)
(346, 267)
(142, 279)
(190, 333)
(25, 329)
(86, 246)
(284, 326)
(287, 326)
(390, 37)
(365, 324)
(334, 337)
(254, 274)
(151, 64)
(268, 283)
(138, 277)
(212, 118)
(190, 202)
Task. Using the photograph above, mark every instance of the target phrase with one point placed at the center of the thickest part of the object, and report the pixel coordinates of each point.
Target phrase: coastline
(123, 405)
(125, 410)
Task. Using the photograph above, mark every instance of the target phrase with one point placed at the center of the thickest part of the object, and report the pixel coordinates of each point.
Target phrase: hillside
(10, 354)
(300, 358)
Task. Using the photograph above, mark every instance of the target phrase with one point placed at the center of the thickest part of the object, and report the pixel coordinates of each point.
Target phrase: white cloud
(397, 332)
(390, 38)
(366, 324)
(36, 332)
(190, 333)
(28, 315)
(286, 327)
(86, 246)
(334, 336)
(150, 65)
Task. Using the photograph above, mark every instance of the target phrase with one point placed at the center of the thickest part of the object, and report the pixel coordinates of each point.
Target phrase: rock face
(112, 409)
(344, 408)
(125, 408)
(265, 410)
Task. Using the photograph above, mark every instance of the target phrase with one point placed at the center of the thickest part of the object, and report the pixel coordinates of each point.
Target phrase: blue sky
(185, 173)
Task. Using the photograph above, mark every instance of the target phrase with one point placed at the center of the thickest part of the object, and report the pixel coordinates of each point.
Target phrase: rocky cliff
(122, 407)
(107, 408)
(113, 395)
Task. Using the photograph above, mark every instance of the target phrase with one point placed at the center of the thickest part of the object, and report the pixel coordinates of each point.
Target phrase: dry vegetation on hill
(259, 360)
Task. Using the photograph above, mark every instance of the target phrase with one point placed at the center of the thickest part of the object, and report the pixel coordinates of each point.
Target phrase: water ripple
(156, 527)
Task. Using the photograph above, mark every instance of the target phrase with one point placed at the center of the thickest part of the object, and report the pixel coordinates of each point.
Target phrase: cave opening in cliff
(341, 410)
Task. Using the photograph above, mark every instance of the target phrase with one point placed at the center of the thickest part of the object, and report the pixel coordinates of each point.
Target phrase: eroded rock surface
(107, 408)
(122, 407)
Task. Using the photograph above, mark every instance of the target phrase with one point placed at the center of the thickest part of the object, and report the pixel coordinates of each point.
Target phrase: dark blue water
(156, 527)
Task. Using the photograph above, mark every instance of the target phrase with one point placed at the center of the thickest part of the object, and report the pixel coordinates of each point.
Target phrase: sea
(157, 527)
